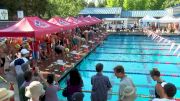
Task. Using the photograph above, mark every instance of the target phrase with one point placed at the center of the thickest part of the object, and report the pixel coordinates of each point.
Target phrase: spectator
(170, 91)
(2, 59)
(159, 90)
(23, 55)
(127, 90)
(51, 90)
(74, 84)
(27, 78)
(34, 91)
(5, 94)
(100, 85)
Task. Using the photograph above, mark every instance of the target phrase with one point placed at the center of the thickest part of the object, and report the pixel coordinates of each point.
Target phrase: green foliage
(10, 6)
(65, 8)
(169, 3)
(91, 4)
(44, 8)
(113, 3)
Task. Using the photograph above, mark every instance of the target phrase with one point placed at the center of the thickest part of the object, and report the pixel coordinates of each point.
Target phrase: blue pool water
(138, 54)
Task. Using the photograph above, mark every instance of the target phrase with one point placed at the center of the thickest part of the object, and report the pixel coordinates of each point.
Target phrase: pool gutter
(76, 64)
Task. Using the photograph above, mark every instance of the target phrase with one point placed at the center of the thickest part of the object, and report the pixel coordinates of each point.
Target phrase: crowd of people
(23, 55)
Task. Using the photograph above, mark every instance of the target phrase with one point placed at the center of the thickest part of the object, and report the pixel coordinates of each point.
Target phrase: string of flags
(160, 39)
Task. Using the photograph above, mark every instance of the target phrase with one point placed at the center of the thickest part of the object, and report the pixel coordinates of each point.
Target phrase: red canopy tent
(62, 23)
(89, 18)
(99, 20)
(75, 21)
(88, 22)
(29, 27)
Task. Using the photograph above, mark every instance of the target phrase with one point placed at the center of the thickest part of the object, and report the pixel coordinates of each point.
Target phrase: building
(116, 15)
(102, 12)
(174, 11)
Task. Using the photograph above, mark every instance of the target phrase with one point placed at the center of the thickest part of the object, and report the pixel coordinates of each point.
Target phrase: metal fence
(5, 24)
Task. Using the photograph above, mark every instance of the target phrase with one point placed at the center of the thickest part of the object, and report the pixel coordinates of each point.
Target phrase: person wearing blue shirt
(100, 85)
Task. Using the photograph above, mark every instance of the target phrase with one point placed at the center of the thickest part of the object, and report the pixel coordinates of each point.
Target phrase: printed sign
(63, 22)
(41, 24)
(3, 14)
(20, 14)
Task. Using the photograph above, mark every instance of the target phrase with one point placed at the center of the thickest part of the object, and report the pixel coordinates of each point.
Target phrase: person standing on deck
(100, 85)
(170, 91)
(127, 89)
(159, 87)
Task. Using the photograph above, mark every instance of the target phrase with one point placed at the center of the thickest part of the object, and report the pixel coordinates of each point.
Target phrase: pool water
(138, 55)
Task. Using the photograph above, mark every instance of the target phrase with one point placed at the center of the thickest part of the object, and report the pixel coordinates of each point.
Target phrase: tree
(128, 4)
(102, 3)
(11, 7)
(64, 8)
(121, 3)
(140, 3)
(169, 3)
(91, 4)
(114, 3)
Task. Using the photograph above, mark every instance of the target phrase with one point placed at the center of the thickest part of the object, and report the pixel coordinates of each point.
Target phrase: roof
(112, 10)
(176, 6)
(62, 23)
(115, 19)
(29, 27)
(153, 13)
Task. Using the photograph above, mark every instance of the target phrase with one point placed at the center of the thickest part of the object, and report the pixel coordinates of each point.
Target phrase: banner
(3, 14)
(20, 14)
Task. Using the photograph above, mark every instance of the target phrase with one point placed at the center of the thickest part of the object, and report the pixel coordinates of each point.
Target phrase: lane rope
(156, 62)
(137, 73)
(135, 48)
(116, 93)
(132, 53)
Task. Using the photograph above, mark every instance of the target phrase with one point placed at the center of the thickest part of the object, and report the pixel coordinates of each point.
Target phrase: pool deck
(11, 78)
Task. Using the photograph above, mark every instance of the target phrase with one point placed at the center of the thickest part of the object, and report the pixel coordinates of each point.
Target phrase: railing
(5, 24)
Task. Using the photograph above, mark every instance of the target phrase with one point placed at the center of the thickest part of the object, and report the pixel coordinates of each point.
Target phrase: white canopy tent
(148, 18)
(168, 19)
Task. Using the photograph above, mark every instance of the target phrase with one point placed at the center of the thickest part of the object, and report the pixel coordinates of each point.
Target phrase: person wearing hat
(170, 91)
(127, 89)
(5, 94)
(34, 91)
(22, 55)
(19, 67)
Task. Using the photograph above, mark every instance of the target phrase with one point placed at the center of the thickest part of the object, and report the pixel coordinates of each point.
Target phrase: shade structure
(97, 19)
(168, 19)
(77, 22)
(89, 18)
(148, 18)
(65, 25)
(86, 21)
(30, 27)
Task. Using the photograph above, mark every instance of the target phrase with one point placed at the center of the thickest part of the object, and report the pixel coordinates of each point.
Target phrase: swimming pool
(138, 54)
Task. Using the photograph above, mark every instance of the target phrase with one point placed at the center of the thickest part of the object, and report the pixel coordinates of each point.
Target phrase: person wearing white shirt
(127, 89)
